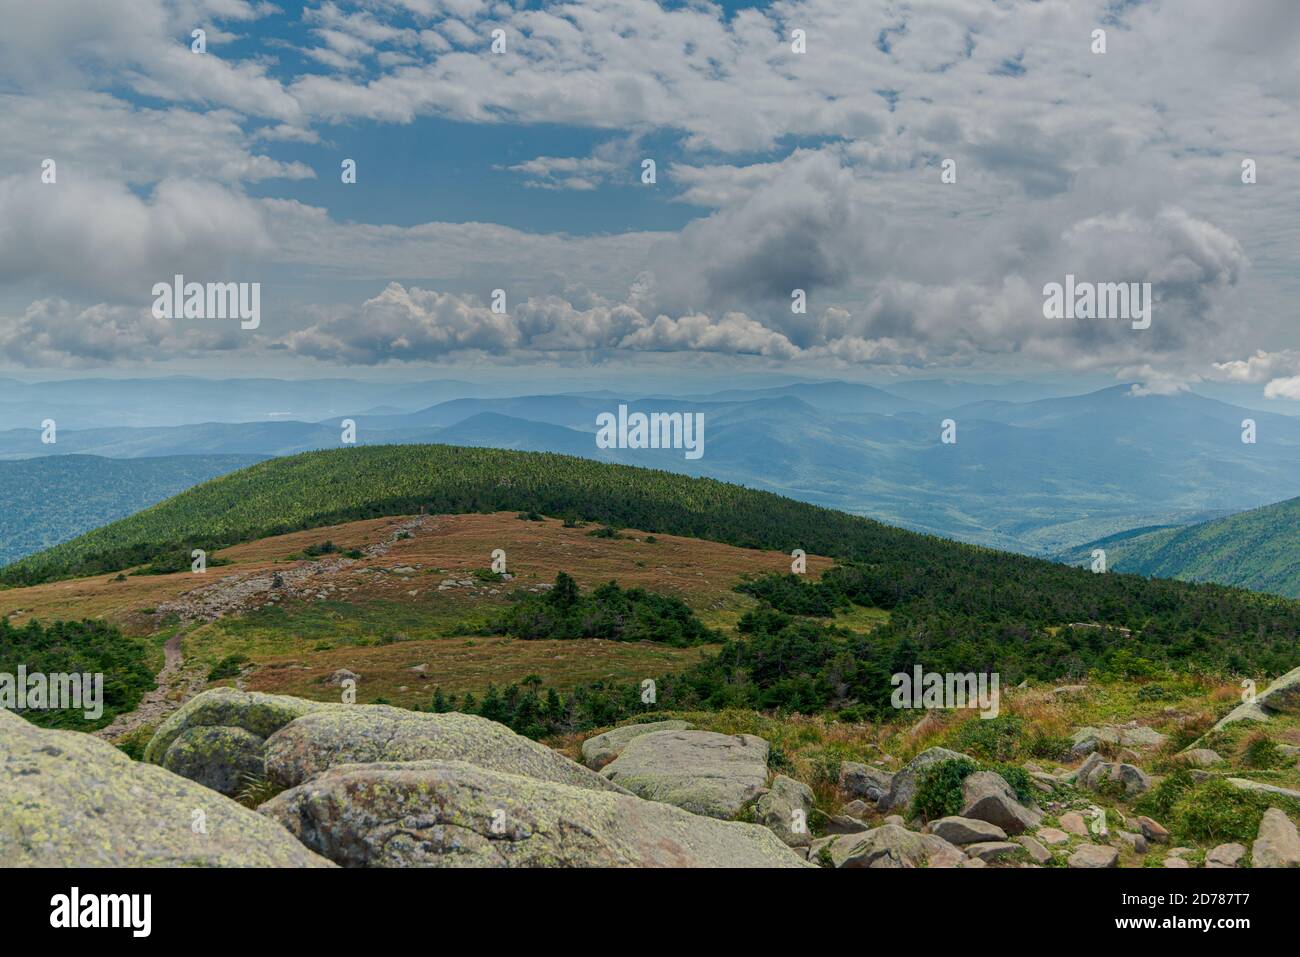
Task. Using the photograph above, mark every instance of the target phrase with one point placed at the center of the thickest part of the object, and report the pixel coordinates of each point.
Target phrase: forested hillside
(941, 592)
(1258, 549)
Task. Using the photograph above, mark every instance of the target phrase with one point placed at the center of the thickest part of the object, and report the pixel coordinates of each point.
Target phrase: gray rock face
(221, 758)
(987, 797)
(598, 751)
(453, 814)
(72, 800)
(1280, 697)
(964, 830)
(1225, 855)
(1093, 856)
(892, 846)
(902, 787)
(1036, 851)
(865, 781)
(260, 714)
(1276, 843)
(784, 811)
(706, 773)
(362, 734)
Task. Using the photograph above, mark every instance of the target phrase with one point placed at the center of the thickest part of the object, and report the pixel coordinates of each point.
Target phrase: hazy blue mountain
(839, 397)
(52, 499)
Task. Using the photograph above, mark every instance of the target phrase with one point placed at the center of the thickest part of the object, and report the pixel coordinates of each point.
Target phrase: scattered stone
(1152, 830)
(1073, 822)
(784, 811)
(893, 846)
(1177, 862)
(1200, 758)
(1226, 855)
(1276, 843)
(454, 814)
(856, 808)
(1051, 835)
(1036, 851)
(71, 800)
(1093, 856)
(1135, 841)
(896, 820)
(601, 749)
(1064, 690)
(865, 781)
(844, 824)
(706, 773)
(1095, 773)
(989, 851)
(963, 830)
(987, 797)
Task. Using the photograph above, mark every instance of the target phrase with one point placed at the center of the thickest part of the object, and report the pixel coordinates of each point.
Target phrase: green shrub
(1262, 753)
(227, 667)
(938, 788)
(992, 739)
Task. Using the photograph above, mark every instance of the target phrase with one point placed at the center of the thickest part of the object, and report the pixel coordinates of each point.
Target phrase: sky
(778, 166)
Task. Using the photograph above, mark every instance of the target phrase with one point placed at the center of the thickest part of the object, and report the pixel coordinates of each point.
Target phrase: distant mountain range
(1040, 476)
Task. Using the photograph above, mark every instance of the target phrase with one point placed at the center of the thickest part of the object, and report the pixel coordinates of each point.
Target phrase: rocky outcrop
(987, 797)
(864, 781)
(703, 772)
(1246, 784)
(363, 734)
(72, 800)
(1226, 855)
(1199, 758)
(1276, 843)
(257, 713)
(784, 811)
(902, 787)
(601, 749)
(454, 814)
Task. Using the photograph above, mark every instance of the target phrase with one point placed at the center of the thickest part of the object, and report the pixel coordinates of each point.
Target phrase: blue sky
(778, 170)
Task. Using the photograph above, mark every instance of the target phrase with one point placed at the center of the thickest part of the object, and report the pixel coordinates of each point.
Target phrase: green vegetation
(939, 785)
(606, 612)
(1258, 549)
(78, 647)
(227, 667)
(1211, 812)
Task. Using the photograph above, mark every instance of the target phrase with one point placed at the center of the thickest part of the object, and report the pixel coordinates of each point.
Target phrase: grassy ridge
(943, 593)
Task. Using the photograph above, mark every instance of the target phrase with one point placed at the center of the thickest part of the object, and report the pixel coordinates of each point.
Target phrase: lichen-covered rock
(706, 773)
(261, 714)
(601, 749)
(865, 781)
(892, 846)
(362, 734)
(453, 814)
(902, 787)
(784, 811)
(221, 758)
(1226, 855)
(1199, 758)
(72, 800)
(1095, 774)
